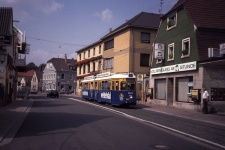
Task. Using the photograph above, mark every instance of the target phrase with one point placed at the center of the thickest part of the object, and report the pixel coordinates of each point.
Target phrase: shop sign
(175, 68)
(222, 49)
(140, 78)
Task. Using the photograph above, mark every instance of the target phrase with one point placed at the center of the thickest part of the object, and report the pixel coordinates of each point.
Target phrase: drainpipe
(132, 52)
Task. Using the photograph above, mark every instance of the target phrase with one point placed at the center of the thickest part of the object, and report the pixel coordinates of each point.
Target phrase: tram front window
(127, 86)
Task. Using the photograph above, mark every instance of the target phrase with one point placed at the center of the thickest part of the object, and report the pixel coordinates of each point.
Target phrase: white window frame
(183, 46)
(168, 20)
(168, 52)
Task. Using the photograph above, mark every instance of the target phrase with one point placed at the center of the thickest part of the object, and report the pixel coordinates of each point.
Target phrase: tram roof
(111, 76)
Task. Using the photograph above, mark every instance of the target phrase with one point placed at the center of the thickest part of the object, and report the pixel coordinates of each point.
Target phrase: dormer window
(170, 52)
(171, 21)
(185, 48)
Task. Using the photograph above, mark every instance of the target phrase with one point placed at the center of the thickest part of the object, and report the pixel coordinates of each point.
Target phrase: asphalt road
(64, 124)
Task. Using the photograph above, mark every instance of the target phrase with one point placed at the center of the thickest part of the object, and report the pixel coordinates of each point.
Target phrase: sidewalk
(13, 115)
(214, 118)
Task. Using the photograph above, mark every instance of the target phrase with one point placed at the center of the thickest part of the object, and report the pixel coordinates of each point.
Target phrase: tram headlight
(130, 96)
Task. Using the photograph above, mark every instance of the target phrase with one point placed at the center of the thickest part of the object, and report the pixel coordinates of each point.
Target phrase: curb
(8, 134)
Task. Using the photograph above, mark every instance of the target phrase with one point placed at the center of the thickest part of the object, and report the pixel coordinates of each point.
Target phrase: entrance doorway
(170, 87)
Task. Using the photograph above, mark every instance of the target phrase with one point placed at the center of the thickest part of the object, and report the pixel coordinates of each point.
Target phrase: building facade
(89, 62)
(36, 81)
(181, 67)
(128, 48)
(59, 73)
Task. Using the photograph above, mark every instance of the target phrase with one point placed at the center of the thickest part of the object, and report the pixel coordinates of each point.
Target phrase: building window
(99, 65)
(145, 37)
(88, 53)
(109, 44)
(100, 49)
(144, 59)
(62, 76)
(108, 63)
(171, 21)
(89, 68)
(84, 69)
(80, 69)
(84, 55)
(185, 48)
(80, 56)
(170, 52)
(94, 52)
(93, 67)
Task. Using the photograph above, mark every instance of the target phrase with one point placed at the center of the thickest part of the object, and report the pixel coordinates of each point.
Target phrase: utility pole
(161, 3)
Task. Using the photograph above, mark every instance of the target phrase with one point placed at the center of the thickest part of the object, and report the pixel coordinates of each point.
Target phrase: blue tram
(112, 88)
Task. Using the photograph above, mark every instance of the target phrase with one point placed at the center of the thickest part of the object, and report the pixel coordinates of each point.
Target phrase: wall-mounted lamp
(2, 58)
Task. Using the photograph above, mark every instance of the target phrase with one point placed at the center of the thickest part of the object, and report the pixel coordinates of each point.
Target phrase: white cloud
(105, 15)
(51, 7)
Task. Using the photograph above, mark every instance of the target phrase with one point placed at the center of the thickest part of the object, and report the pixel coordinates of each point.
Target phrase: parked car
(53, 93)
(70, 91)
(33, 91)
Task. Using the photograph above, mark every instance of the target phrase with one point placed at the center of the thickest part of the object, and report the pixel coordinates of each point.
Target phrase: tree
(31, 66)
(42, 66)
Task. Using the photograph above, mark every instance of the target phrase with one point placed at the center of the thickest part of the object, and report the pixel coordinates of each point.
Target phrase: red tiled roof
(29, 73)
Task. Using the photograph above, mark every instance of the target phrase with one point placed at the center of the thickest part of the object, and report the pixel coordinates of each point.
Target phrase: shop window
(160, 89)
(171, 21)
(170, 52)
(185, 48)
(184, 87)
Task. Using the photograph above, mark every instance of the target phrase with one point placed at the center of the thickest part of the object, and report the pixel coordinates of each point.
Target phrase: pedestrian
(205, 97)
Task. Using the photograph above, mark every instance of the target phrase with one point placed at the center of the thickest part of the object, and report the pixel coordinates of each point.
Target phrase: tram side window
(85, 86)
(131, 86)
(113, 85)
(117, 85)
(96, 85)
(91, 86)
(105, 85)
(123, 86)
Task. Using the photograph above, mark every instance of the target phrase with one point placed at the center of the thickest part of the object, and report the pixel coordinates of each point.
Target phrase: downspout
(132, 51)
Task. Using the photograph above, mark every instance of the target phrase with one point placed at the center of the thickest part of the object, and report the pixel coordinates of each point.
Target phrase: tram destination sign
(175, 68)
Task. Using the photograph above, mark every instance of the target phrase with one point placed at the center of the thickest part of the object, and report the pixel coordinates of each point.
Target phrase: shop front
(173, 85)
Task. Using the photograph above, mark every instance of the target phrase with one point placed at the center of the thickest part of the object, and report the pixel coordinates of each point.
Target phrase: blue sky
(54, 28)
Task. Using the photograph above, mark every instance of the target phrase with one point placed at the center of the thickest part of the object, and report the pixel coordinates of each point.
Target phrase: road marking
(153, 123)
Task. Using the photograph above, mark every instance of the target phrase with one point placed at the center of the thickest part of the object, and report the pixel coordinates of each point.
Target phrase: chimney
(65, 59)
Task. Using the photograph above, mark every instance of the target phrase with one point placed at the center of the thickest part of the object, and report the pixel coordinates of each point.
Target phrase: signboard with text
(174, 68)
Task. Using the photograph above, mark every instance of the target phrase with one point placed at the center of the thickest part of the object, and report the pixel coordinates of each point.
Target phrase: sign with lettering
(175, 68)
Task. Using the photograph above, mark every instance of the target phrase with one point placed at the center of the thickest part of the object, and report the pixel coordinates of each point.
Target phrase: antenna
(160, 10)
